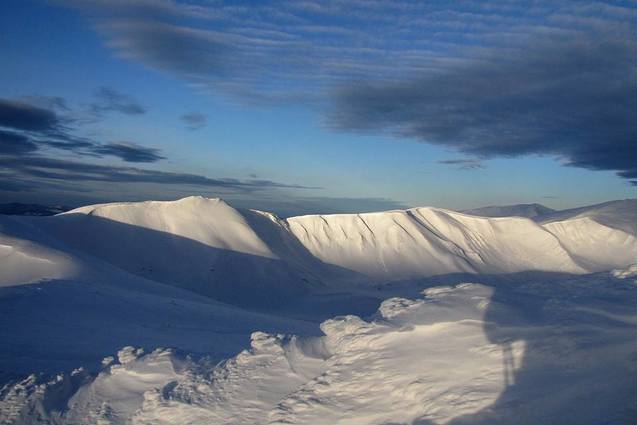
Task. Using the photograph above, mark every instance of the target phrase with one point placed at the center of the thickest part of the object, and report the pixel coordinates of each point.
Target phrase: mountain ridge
(200, 243)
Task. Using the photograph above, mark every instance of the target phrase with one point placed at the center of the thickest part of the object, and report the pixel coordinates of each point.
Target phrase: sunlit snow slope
(207, 246)
(431, 241)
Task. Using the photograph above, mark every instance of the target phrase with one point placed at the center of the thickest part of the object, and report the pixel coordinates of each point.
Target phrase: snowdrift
(467, 353)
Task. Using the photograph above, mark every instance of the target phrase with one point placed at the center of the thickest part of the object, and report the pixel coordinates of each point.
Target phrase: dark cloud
(194, 120)
(183, 51)
(108, 99)
(15, 144)
(129, 152)
(576, 101)
(55, 103)
(38, 167)
(32, 127)
(10, 184)
(463, 164)
(20, 115)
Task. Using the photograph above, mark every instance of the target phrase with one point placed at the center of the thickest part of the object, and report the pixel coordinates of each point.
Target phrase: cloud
(108, 99)
(194, 120)
(15, 144)
(129, 152)
(31, 128)
(463, 164)
(42, 168)
(576, 101)
(25, 116)
(180, 50)
(489, 79)
(8, 184)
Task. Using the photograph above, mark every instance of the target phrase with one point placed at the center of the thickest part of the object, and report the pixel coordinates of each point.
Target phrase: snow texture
(133, 313)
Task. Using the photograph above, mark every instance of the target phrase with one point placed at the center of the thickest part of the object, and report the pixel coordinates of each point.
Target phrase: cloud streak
(463, 164)
(26, 128)
(110, 100)
(37, 169)
(25, 116)
(194, 120)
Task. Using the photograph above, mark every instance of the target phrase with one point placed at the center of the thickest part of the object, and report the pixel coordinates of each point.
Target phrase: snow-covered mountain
(206, 246)
(620, 215)
(549, 297)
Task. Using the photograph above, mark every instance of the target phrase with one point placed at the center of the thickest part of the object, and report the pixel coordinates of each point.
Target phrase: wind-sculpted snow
(537, 353)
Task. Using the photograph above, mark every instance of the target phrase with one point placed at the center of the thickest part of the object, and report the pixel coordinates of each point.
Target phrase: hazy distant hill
(16, 208)
(519, 210)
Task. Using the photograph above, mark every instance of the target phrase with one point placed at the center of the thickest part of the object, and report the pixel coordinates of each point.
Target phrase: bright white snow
(120, 313)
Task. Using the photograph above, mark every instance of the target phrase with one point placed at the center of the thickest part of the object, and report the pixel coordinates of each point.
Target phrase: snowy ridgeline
(535, 339)
(199, 244)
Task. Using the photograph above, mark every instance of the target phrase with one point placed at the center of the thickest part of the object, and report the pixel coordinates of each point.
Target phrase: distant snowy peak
(209, 221)
(519, 210)
(621, 215)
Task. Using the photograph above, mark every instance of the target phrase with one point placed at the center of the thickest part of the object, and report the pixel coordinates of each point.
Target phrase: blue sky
(331, 106)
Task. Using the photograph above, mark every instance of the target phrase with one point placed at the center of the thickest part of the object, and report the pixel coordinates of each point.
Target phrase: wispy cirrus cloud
(110, 100)
(44, 168)
(129, 152)
(194, 120)
(463, 164)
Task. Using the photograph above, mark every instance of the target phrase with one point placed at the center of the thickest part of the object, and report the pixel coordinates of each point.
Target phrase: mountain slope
(429, 241)
(621, 215)
(203, 245)
(253, 258)
(59, 307)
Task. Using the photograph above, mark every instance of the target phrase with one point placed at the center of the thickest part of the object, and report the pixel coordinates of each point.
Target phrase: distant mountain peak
(519, 210)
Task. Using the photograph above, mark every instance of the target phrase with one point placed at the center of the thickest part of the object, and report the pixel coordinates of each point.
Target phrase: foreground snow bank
(469, 353)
